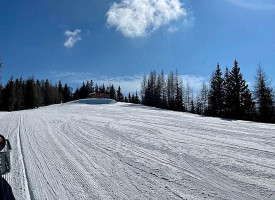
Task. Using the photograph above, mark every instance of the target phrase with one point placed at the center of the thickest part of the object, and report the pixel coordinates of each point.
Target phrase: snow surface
(125, 151)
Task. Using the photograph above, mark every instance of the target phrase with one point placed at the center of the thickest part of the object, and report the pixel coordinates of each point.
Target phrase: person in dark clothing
(5, 188)
(5, 191)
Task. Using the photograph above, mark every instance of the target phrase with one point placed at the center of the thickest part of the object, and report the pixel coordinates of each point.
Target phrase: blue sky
(117, 41)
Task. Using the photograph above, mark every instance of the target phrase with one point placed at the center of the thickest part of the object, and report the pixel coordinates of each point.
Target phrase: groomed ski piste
(125, 151)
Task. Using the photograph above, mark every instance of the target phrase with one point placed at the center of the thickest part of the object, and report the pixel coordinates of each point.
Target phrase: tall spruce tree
(66, 91)
(263, 95)
(227, 94)
(216, 93)
(60, 95)
(119, 96)
(112, 92)
(240, 104)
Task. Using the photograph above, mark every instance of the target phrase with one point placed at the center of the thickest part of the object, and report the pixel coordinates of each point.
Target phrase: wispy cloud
(72, 37)
(128, 83)
(138, 18)
(254, 4)
(172, 29)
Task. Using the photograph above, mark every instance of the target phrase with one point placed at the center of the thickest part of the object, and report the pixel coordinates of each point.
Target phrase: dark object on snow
(5, 191)
(2, 142)
(5, 167)
(5, 149)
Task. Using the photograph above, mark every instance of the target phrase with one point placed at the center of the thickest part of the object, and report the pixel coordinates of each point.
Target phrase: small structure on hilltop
(99, 95)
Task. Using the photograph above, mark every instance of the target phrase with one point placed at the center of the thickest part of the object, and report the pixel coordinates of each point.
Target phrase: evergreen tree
(66, 91)
(227, 94)
(38, 94)
(9, 96)
(119, 95)
(216, 93)
(264, 96)
(129, 98)
(19, 98)
(240, 104)
(47, 93)
(29, 94)
(112, 92)
(76, 94)
(60, 94)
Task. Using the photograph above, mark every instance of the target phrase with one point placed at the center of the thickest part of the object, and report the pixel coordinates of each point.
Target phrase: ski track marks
(125, 151)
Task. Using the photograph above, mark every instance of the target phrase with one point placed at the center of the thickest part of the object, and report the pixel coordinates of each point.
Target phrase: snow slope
(124, 151)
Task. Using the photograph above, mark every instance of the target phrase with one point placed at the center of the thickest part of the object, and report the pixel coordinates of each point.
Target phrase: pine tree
(19, 98)
(112, 92)
(60, 95)
(29, 96)
(66, 91)
(38, 94)
(76, 94)
(216, 93)
(240, 104)
(9, 96)
(227, 94)
(119, 95)
(264, 96)
(46, 93)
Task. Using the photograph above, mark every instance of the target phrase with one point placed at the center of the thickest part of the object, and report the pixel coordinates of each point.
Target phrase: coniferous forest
(20, 94)
(226, 96)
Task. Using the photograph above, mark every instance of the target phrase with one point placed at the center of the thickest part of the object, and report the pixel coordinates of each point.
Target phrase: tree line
(20, 94)
(227, 95)
(89, 88)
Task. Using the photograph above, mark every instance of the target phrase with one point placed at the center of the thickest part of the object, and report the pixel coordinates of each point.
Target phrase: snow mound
(96, 101)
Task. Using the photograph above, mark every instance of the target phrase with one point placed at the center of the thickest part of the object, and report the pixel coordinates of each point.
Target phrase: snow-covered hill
(124, 151)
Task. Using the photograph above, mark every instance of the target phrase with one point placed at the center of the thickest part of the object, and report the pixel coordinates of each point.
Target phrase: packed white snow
(125, 151)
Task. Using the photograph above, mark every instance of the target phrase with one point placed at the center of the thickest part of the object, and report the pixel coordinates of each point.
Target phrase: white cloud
(254, 4)
(137, 18)
(72, 38)
(172, 29)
